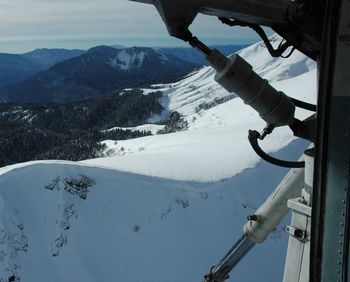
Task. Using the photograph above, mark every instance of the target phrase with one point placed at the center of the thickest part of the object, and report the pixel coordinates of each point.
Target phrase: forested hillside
(71, 131)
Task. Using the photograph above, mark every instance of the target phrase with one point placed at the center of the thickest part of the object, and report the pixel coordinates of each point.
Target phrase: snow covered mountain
(199, 89)
(97, 72)
(160, 208)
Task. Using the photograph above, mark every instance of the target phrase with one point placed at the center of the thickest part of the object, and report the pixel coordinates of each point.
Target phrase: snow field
(130, 227)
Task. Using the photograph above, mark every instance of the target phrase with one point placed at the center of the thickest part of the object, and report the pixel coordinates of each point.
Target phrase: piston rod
(220, 272)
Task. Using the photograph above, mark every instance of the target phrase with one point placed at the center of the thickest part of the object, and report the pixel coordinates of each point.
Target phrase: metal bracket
(298, 233)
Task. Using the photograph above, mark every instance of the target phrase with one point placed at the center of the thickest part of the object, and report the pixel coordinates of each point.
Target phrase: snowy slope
(277, 69)
(199, 87)
(98, 221)
(129, 227)
(126, 61)
(215, 139)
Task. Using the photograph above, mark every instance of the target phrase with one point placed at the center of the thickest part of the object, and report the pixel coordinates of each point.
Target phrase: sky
(29, 24)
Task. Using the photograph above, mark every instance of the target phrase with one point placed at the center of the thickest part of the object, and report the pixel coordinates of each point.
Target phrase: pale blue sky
(30, 24)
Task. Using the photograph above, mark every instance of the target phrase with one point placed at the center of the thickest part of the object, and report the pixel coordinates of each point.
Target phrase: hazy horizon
(26, 25)
(17, 47)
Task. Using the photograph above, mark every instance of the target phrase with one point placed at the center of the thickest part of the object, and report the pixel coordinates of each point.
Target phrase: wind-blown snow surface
(97, 221)
(129, 227)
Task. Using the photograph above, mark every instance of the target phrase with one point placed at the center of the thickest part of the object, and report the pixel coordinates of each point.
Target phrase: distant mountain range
(118, 46)
(62, 75)
(99, 71)
(50, 57)
(14, 68)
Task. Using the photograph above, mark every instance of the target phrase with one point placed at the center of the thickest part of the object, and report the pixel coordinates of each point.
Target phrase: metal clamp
(298, 233)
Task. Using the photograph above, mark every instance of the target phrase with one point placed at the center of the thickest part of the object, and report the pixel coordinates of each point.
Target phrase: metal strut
(196, 43)
(220, 272)
(260, 225)
(237, 76)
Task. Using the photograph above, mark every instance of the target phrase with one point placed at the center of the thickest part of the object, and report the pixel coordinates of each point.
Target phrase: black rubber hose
(253, 139)
(258, 29)
(304, 105)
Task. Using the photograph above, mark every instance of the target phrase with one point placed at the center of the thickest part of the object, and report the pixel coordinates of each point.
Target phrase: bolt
(299, 233)
(302, 201)
(252, 217)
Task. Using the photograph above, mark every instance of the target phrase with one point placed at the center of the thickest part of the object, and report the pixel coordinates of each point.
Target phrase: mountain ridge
(14, 68)
(99, 71)
(51, 56)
